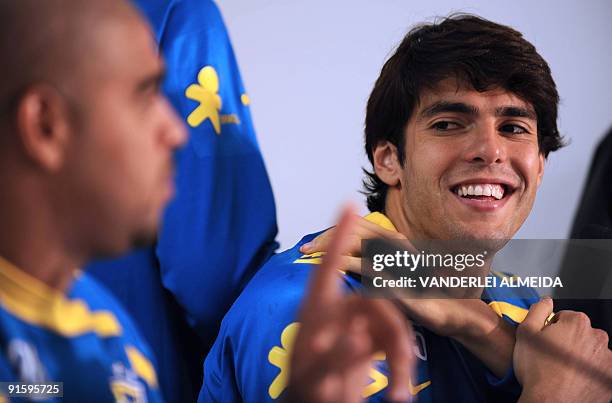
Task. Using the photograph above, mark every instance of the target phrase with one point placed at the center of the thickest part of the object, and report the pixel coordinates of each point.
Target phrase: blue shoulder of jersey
(83, 339)
(249, 359)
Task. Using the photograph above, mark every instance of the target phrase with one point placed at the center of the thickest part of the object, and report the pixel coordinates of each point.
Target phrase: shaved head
(86, 135)
(50, 42)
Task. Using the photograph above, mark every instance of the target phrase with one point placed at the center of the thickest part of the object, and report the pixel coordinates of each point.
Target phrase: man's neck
(33, 239)
(395, 212)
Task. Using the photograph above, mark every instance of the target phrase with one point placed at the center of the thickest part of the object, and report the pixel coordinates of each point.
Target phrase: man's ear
(43, 124)
(386, 163)
(541, 163)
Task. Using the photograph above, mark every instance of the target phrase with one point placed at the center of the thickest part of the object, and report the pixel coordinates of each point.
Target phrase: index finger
(324, 286)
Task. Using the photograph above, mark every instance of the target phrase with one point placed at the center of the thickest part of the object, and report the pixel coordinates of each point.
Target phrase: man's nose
(174, 131)
(486, 146)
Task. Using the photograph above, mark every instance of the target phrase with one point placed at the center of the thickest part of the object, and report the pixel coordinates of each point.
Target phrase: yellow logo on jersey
(279, 357)
(142, 366)
(125, 386)
(416, 389)
(206, 92)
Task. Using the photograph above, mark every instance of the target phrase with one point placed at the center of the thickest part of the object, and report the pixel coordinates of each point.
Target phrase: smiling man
(458, 127)
(469, 168)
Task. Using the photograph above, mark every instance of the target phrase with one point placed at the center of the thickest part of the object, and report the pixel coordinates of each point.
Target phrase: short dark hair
(476, 51)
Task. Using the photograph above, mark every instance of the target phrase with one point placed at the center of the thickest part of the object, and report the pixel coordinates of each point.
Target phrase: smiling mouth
(483, 191)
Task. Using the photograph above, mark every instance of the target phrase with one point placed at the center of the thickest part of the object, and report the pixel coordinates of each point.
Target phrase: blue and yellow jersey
(250, 358)
(82, 338)
(221, 226)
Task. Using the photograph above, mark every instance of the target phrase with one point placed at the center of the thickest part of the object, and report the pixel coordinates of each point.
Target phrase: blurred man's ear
(386, 163)
(43, 124)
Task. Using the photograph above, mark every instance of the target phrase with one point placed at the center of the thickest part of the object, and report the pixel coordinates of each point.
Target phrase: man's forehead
(129, 48)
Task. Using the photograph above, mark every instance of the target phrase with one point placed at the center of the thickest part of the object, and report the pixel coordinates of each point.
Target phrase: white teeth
(498, 192)
(485, 189)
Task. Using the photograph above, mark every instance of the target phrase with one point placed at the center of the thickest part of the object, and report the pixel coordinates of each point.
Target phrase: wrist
(478, 325)
(488, 337)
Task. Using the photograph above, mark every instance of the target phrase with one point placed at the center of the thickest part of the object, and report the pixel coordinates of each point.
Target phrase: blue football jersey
(250, 358)
(221, 226)
(82, 338)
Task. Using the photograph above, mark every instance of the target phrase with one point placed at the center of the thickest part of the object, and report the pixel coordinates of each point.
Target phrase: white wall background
(309, 67)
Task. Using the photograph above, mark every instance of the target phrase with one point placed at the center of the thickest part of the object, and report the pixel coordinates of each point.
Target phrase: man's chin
(491, 239)
(118, 249)
(144, 239)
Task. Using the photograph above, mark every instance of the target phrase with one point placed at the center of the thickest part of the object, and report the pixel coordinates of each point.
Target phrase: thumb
(537, 315)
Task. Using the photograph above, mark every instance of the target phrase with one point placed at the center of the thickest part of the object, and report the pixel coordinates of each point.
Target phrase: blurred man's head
(83, 126)
(458, 126)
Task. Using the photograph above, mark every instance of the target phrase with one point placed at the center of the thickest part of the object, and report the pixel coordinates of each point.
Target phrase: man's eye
(513, 129)
(445, 125)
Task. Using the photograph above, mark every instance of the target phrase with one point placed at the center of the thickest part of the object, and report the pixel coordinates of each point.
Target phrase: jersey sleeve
(221, 226)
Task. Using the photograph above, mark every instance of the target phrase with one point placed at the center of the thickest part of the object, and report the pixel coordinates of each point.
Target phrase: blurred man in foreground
(86, 167)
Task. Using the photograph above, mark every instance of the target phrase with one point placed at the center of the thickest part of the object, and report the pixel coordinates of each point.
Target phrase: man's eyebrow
(516, 112)
(152, 81)
(446, 106)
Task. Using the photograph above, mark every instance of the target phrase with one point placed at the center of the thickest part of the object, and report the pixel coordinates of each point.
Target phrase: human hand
(469, 321)
(565, 360)
(361, 229)
(339, 335)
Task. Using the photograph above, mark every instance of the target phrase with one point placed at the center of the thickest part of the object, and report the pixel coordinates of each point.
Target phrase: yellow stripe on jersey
(38, 304)
(142, 366)
(376, 218)
(315, 254)
(382, 220)
(516, 313)
(316, 260)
